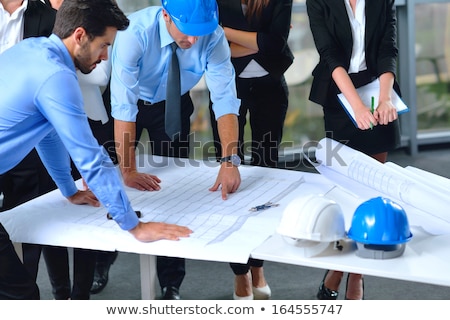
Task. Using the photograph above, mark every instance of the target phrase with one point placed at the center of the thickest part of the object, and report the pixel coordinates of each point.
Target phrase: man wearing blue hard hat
(139, 97)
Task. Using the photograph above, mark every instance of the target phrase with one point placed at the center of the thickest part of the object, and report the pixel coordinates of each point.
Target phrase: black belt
(148, 103)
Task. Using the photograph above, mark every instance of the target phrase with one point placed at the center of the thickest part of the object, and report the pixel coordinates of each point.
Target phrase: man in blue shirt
(41, 106)
(140, 63)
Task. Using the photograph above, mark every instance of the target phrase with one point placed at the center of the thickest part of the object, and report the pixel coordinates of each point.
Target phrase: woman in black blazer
(356, 41)
(257, 31)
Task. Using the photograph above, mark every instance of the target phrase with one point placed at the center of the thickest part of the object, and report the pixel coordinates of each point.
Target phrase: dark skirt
(340, 127)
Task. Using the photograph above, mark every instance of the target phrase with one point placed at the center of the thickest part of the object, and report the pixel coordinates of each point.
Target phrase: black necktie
(173, 104)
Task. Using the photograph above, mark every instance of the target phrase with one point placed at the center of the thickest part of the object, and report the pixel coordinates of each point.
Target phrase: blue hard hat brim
(196, 29)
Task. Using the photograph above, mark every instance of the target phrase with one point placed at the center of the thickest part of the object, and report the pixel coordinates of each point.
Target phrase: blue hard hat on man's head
(193, 17)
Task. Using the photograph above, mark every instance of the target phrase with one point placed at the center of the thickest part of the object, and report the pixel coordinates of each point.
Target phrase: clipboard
(366, 93)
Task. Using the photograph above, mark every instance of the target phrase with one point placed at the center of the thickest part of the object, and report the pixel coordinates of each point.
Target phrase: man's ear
(79, 34)
(166, 16)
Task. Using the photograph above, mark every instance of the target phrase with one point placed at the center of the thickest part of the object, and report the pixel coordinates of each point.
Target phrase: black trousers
(242, 268)
(83, 272)
(15, 281)
(28, 180)
(152, 118)
(170, 270)
(57, 263)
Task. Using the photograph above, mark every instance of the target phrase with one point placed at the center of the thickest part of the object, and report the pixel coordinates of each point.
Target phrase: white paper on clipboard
(366, 93)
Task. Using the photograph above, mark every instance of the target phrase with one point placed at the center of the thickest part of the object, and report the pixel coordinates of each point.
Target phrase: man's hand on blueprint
(141, 181)
(153, 231)
(84, 197)
(229, 178)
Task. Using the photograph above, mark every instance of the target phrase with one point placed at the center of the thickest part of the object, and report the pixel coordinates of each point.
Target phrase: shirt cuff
(126, 221)
(125, 112)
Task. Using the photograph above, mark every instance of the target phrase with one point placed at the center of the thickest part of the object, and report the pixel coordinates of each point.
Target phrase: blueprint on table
(223, 230)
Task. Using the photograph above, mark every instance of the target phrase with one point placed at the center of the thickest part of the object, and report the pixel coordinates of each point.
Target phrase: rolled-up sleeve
(125, 76)
(220, 77)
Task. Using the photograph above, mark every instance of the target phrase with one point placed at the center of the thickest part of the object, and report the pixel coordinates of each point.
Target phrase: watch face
(235, 160)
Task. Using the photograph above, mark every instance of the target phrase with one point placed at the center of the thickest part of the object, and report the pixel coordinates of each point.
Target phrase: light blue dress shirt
(140, 61)
(41, 106)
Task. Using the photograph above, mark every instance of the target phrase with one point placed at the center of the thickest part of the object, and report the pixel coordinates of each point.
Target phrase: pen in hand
(372, 109)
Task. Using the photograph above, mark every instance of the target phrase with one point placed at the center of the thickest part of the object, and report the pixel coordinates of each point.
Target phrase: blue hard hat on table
(193, 17)
(380, 221)
(380, 225)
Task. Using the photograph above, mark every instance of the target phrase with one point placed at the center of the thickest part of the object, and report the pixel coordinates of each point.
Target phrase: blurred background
(424, 62)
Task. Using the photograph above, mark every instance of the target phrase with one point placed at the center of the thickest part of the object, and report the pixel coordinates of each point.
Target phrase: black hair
(92, 15)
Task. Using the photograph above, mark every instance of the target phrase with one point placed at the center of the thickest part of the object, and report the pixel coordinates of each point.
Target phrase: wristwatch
(234, 159)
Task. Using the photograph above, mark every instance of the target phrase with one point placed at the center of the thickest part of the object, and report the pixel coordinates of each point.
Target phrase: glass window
(432, 65)
(128, 6)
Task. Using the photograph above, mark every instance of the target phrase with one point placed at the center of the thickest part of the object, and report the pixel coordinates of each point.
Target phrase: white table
(426, 259)
(51, 220)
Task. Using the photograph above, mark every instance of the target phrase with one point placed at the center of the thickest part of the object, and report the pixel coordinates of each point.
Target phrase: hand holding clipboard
(369, 96)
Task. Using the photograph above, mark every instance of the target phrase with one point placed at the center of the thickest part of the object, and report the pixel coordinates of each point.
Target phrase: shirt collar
(68, 61)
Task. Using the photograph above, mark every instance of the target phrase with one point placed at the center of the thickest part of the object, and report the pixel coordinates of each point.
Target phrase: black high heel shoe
(324, 293)
(362, 284)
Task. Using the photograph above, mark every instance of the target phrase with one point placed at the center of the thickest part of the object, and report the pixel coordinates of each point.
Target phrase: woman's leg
(355, 287)
(242, 281)
(256, 267)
